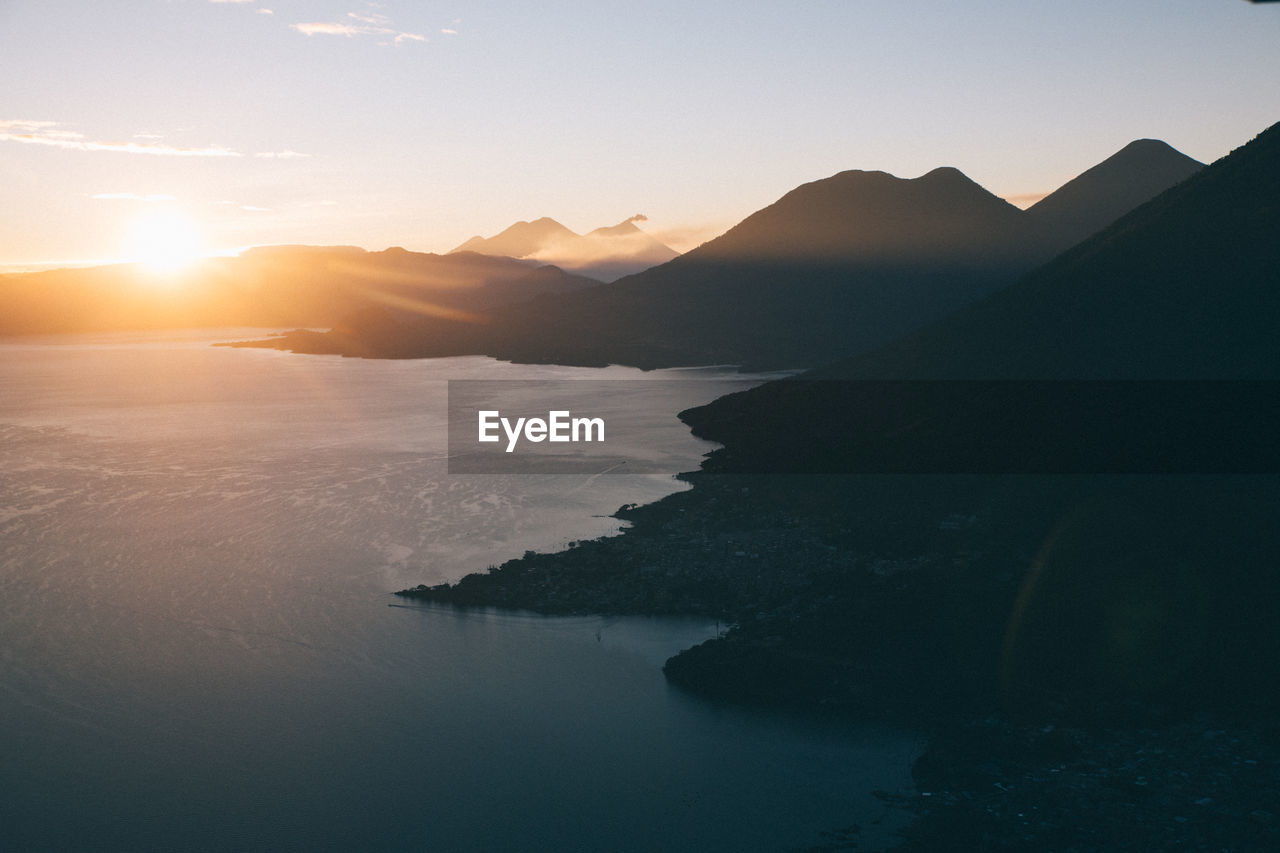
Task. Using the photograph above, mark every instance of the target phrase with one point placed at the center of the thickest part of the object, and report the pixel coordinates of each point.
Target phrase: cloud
(639, 217)
(47, 133)
(682, 238)
(449, 32)
(133, 197)
(261, 11)
(367, 23)
(252, 209)
(323, 29)
(230, 1)
(375, 18)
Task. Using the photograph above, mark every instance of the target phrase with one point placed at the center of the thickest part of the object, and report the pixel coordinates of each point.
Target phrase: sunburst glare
(164, 240)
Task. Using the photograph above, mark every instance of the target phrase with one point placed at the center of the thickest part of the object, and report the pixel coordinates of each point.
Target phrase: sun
(164, 240)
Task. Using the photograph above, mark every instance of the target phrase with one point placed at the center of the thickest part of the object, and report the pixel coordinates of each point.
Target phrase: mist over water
(197, 547)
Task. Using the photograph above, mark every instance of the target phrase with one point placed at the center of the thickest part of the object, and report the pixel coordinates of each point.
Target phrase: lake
(197, 652)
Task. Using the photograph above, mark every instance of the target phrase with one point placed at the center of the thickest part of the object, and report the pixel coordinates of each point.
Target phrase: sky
(211, 125)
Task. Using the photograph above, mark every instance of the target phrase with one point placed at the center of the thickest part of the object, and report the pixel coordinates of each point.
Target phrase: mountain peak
(1098, 196)
(1182, 287)
(863, 215)
(945, 173)
(1147, 145)
(605, 253)
(625, 228)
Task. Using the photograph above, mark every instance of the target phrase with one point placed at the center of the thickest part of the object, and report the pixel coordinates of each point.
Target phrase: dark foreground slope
(1122, 623)
(1098, 652)
(1185, 288)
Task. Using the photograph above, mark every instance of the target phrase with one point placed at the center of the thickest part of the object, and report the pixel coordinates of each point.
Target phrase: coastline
(887, 599)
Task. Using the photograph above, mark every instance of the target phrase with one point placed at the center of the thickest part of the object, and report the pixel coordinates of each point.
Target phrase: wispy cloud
(281, 155)
(264, 11)
(133, 197)
(322, 29)
(48, 133)
(376, 19)
(365, 23)
(231, 1)
(682, 238)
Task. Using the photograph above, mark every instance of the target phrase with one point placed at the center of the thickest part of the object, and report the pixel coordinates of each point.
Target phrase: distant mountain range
(605, 253)
(833, 268)
(275, 286)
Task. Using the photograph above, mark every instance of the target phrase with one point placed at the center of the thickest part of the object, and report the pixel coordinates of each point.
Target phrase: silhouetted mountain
(835, 266)
(1132, 176)
(1186, 287)
(875, 218)
(272, 286)
(1066, 593)
(605, 253)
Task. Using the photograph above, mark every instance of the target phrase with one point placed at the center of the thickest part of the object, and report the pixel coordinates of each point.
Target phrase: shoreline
(888, 603)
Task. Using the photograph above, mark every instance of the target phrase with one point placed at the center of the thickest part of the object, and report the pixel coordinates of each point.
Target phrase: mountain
(875, 218)
(1185, 288)
(605, 253)
(521, 239)
(834, 268)
(1153, 340)
(273, 286)
(1133, 175)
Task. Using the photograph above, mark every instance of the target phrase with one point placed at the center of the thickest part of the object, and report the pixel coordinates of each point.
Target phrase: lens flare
(164, 241)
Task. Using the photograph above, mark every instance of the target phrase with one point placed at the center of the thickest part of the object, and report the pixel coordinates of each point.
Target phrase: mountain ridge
(1185, 287)
(287, 285)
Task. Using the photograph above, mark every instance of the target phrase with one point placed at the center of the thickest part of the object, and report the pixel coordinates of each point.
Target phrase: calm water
(197, 652)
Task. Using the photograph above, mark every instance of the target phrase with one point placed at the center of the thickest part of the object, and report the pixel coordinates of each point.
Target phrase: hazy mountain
(605, 253)
(272, 286)
(1132, 176)
(521, 239)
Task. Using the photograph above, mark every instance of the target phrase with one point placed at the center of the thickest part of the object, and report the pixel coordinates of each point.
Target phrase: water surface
(197, 547)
